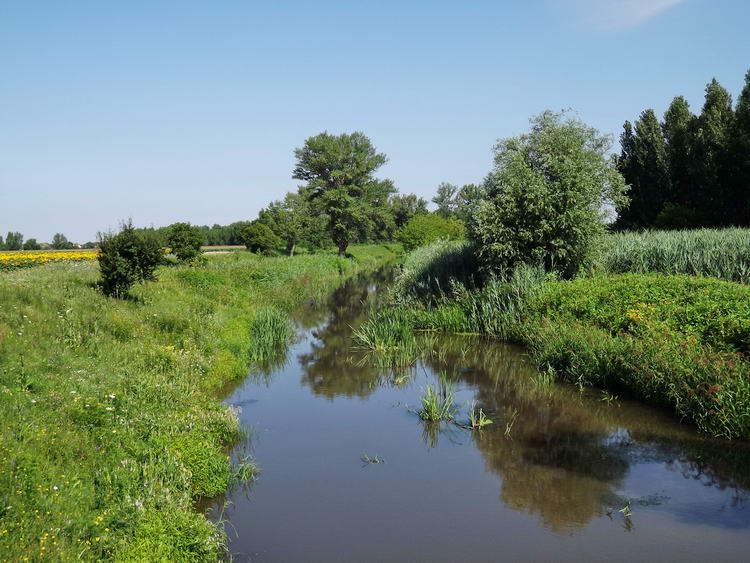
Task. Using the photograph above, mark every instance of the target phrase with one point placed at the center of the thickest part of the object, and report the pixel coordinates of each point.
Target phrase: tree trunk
(290, 248)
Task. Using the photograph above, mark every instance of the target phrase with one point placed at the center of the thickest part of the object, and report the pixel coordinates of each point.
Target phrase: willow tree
(544, 201)
(339, 174)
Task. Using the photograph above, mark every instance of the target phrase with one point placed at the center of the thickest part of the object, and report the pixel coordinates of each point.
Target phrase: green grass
(110, 429)
(438, 403)
(721, 253)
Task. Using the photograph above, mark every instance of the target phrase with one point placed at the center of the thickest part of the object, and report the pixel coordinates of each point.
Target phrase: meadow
(110, 425)
(671, 339)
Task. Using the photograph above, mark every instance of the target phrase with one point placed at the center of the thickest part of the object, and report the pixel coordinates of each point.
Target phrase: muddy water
(560, 475)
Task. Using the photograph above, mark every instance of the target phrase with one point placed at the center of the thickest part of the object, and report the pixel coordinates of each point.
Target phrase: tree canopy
(340, 183)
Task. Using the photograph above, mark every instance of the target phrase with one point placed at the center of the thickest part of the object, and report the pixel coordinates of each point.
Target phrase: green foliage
(445, 199)
(740, 148)
(404, 207)
(715, 312)
(672, 341)
(185, 241)
(424, 229)
(126, 258)
(452, 201)
(259, 238)
(338, 171)
(544, 199)
(644, 165)
(429, 271)
(31, 244)
(695, 171)
(294, 221)
(61, 242)
(721, 253)
(14, 241)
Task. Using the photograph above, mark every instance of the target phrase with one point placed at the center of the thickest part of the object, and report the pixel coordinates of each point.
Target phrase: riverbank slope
(109, 427)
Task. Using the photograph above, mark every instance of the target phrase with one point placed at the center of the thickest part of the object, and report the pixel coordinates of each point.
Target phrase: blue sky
(165, 111)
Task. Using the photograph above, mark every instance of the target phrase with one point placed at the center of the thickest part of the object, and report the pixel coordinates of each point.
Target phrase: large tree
(339, 175)
(644, 165)
(711, 156)
(544, 199)
(678, 129)
(741, 154)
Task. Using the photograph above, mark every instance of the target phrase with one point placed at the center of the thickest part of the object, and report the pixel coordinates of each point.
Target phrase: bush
(543, 201)
(424, 229)
(185, 241)
(126, 258)
(259, 238)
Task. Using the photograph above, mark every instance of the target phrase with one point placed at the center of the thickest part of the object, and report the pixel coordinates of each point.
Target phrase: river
(348, 471)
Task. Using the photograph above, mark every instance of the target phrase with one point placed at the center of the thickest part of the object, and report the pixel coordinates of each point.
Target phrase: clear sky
(178, 110)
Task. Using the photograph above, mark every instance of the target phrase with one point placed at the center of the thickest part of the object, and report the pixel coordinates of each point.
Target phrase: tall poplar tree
(711, 157)
(644, 166)
(741, 154)
(679, 128)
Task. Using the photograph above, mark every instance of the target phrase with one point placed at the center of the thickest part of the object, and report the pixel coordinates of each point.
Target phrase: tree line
(689, 170)
(15, 241)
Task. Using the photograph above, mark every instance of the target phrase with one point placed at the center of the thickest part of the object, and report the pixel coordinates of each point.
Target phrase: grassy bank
(109, 430)
(676, 341)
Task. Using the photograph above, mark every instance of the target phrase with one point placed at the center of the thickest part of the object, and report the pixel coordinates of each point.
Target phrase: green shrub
(259, 238)
(542, 202)
(424, 229)
(185, 241)
(126, 258)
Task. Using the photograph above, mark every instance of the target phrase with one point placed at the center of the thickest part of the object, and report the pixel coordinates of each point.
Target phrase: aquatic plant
(438, 403)
(371, 460)
(477, 418)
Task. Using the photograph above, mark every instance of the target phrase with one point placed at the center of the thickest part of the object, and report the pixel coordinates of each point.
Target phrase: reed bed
(719, 253)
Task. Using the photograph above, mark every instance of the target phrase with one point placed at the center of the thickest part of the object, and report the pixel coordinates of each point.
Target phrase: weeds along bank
(676, 341)
(109, 429)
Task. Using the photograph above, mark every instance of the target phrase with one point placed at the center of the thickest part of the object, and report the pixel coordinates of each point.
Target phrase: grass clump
(438, 403)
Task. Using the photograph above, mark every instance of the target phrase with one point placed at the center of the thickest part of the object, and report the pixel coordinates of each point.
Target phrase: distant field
(14, 259)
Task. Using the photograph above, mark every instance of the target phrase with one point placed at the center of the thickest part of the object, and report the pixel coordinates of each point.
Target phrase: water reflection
(332, 366)
(567, 453)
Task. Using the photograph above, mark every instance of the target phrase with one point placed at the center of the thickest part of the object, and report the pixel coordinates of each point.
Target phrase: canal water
(349, 472)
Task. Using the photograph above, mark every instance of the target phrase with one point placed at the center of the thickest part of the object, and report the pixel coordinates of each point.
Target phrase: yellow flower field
(24, 259)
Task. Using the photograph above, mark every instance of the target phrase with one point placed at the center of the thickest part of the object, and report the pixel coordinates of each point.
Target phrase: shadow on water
(560, 474)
